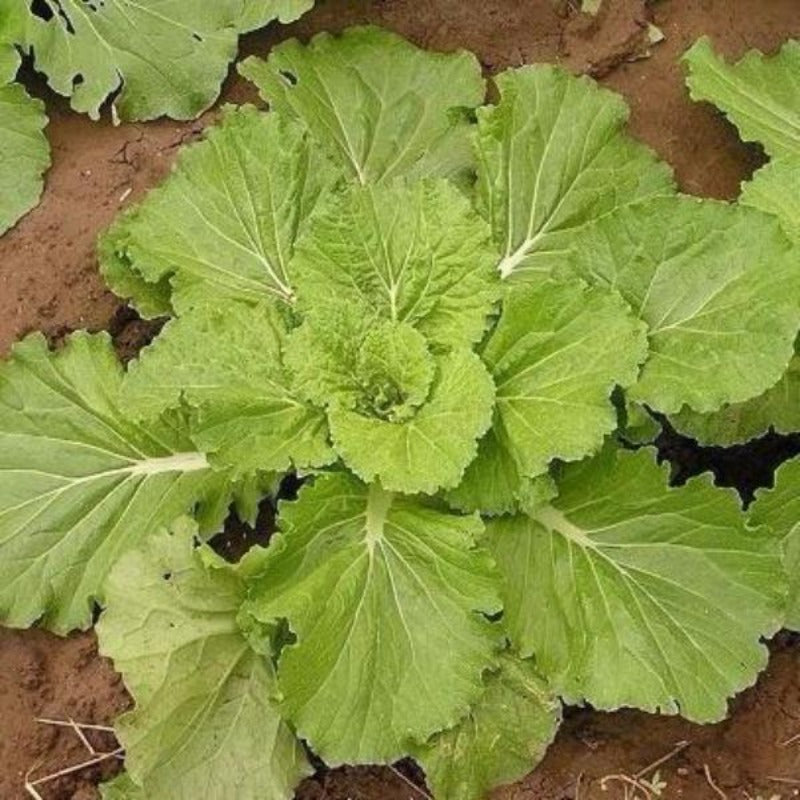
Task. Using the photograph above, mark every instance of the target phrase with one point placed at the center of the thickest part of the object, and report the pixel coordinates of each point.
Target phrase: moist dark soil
(49, 282)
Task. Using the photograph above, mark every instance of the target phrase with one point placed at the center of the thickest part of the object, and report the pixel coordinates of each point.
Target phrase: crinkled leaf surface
(778, 408)
(381, 106)
(410, 252)
(224, 223)
(555, 356)
(24, 151)
(718, 287)
(503, 737)
(202, 693)
(432, 447)
(226, 361)
(759, 94)
(80, 483)
(164, 57)
(629, 592)
(385, 597)
(553, 155)
(779, 508)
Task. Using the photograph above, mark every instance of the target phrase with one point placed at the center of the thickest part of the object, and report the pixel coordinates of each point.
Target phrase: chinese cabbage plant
(422, 305)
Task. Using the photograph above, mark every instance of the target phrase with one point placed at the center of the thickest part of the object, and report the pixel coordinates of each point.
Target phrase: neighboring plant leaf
(381, 106)
(24, 150)
(759, 94)
(413, 253)
(553, 155)
(774, 189)
(80, 483)
(385, 596)
(121, 788)
(637, 426)
(431, 448)
(156, 58)
(555, 356)
(224, 223)
(503, 737)
(779, 508)
(718, 287)
(226, 360)
(632, 593)
(777, 409)
(201, 693)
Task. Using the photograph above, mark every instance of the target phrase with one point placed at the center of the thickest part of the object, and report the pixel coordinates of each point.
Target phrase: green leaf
(555, 356)
(24, 151)
(223, 225)
(380, 106)
(80, 483)
(503, 737)
(431, 448)
(121, 788)
(385, 596)
(413, 253)
(759, 94)
(157, 57)
(779, 509)
(778, 409)
(632, 593)
(718, 287)
(202, 694)
(226, 361)
(553, 155)
(774, 189)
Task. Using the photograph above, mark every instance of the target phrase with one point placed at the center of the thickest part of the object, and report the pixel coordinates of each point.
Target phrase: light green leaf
(431, 448)
(778, 409)
(381, 106)
(202, 694)
(774, 189)
(385, 596)
(161, 57)
(628, 592)
(80, 483)
(413, 253)
(759, 94)
(555, 356)
(24, 151)
(637, 425)
(718, 287)
(223, 225)
(226, 361)
(553, 155)
(121, 788)
(779, 509)
(503, 737)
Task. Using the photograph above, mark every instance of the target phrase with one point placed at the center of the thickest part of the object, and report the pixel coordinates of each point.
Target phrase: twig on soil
(70, 723)
(627, 781)
(791, 740)
(30, 786)
(413, 785)
(679, 748)
(713, 785)
(779, 779)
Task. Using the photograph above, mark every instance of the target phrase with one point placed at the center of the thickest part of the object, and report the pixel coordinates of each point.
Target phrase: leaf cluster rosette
(436, 312)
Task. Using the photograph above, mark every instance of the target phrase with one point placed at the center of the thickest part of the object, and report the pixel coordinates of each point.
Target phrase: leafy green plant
(423, 306)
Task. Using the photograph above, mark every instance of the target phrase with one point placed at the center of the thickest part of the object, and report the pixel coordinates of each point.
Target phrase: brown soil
(49, 282)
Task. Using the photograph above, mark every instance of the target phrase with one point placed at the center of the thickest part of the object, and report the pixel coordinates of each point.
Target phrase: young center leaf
(223, 225)
(759, 94)
(410, 252)
(632, 593)
(226, 361)
(555, 356)
(157, 58)
(503, 737)
(202, 692)
(385, 596)
(717, 285)
(397, 412)
(24, 151)
(779, 509)
(381, 106)
(80, 483)
(553, 155)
